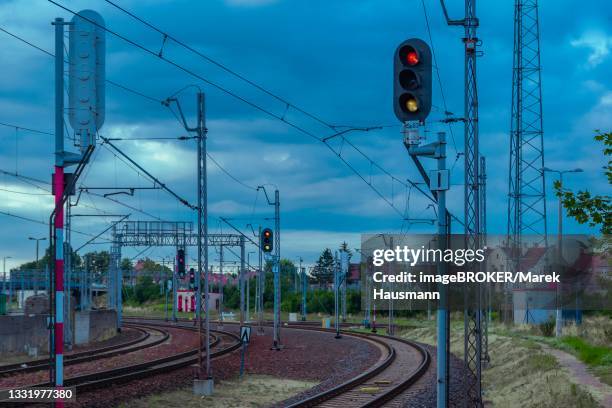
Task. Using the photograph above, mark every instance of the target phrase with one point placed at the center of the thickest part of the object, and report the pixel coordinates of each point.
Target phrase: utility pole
(207, 384)
(438, 184)
(304, 291)
(559, 310)
(35, 278)
(297, 273)
(4, 258)
(203, 383)
(276, 345)
(483, 236)
(261, 283)
(248, 286)
(241, 281)
(344, 272)
(221, 286)
(174, 288)
(336, 290)
(473, 310)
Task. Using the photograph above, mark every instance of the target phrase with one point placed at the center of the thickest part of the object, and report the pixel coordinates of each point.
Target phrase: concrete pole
(4, 273)
(304, 291)
(262, 281)
(559, 311)
(174, 289)
(241, 281)
(443, 313)
(336, 290)
(277, 272)
(221, 285)
(58, 180)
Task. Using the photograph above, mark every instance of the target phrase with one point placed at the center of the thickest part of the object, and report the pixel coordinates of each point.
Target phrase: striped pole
(59, 276)
(58, 184)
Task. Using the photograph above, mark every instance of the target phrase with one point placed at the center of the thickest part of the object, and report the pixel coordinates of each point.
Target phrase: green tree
(97, 263)
(145, 290)
(585, 207)
(323, 271)
(126, 266)
(44, 261)
(344, 247)
(287, 269)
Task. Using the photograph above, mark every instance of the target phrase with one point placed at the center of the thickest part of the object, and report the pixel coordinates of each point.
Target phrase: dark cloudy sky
(330, 58)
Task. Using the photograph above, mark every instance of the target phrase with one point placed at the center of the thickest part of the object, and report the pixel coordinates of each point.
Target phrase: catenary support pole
(58, 182)
(241, 281)
(336, 290)
(442, 353)
(304, 292)
(221, 286)
(262, 281)
(277, 272)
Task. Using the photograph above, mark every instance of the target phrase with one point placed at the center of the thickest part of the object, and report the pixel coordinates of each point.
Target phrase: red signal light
(412, 58)
(267, 233)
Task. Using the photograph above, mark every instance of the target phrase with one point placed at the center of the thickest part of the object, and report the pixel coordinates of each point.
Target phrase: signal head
(409, 55)
(412, 81)
(266, 240)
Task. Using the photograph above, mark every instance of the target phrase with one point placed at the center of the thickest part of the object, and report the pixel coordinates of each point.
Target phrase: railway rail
(402, 364)
(144, 340)
(222, 343)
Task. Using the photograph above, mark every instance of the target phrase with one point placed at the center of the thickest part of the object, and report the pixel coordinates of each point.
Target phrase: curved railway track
(222, 343)
(405, 362)
(149, 337)
(402, 364)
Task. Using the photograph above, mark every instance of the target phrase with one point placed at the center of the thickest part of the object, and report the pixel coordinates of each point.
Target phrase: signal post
(412, 100)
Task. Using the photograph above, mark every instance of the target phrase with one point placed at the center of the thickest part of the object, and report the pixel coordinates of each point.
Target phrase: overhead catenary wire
(215, 85)
(30, 180)
(111, 82)
(230, 175)
(288, 104)
(436, 66)
(22, 217)
(17, 127)
(220, 65)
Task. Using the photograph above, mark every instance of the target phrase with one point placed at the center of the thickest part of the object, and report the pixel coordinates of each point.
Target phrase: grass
(252, 391)
(590, 354)
(520, 374)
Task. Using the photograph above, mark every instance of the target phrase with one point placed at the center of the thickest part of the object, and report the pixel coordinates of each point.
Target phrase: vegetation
(596, 210)
(323, 271)
(590, 354)
(547, 328)
(251, 391)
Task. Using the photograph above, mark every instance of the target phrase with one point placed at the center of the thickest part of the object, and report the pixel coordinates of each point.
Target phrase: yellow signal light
(412, 105)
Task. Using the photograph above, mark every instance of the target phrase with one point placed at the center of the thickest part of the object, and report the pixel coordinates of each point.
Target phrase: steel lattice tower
(526, 195)
(473, 305)
(472, 212)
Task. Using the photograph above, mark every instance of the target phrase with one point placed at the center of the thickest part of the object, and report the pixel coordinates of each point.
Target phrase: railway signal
(191, 278)
(180, 261)
(266, 240)
(412, 80)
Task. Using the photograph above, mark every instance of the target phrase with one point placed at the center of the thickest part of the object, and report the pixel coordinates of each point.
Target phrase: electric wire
(21, 217)
(228, 174)
(433, 51)
(16, 127)
(229, 93)
(222, 66)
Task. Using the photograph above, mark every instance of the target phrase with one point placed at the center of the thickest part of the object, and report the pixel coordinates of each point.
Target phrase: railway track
(149, 337)
(402, 363)
(222, 343)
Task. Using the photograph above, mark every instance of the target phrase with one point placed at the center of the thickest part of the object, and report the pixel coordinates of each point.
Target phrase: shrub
(547, 328)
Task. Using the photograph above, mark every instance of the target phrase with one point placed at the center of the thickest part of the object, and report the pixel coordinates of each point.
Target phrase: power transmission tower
(473, 301)
(526, 195)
